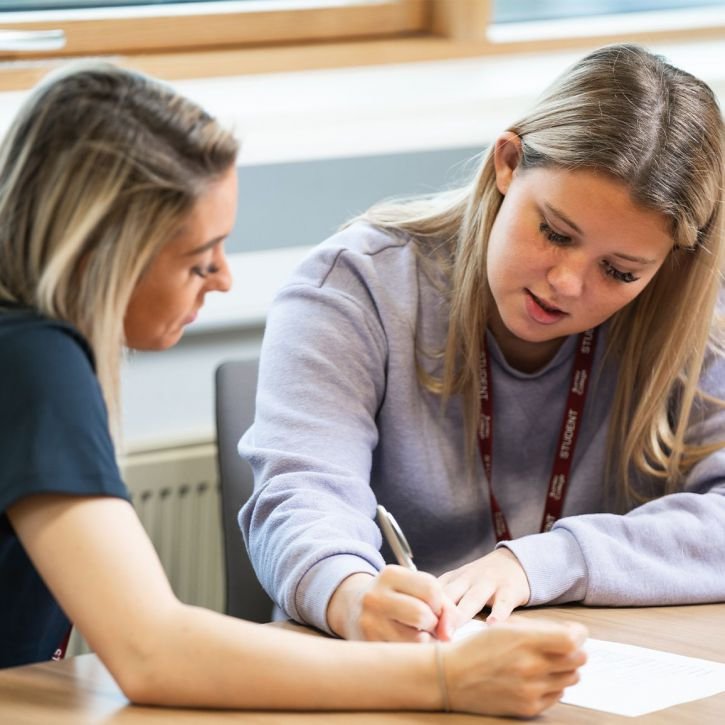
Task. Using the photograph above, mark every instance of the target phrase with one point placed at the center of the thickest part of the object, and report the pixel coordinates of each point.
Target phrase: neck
(528, 357)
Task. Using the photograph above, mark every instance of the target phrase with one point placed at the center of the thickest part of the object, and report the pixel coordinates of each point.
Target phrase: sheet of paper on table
(627, 680)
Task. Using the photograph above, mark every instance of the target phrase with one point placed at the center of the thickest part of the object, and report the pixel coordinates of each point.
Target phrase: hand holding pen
(505, 583)
(396, 540)
(398, 604)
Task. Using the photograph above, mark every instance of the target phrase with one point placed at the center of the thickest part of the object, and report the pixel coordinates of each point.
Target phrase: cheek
(134, 320)
(511, 249)
(629, 296)
(169, 300)
(611, 298)
(152, 312)
(135, 328)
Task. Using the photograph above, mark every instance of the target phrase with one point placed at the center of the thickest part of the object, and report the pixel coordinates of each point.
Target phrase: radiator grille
(175, 492)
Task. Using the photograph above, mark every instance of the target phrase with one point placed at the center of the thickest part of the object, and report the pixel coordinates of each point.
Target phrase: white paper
(627, 680)
(469, 628)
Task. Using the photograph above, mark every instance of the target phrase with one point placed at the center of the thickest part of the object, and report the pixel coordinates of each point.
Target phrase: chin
(154, 344)
(534, 335)
(520, 326)
(168, 342)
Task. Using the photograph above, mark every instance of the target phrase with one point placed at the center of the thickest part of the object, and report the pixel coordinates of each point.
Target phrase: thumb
(447, 620)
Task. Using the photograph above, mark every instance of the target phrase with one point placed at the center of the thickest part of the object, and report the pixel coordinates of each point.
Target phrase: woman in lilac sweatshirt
(527, 372)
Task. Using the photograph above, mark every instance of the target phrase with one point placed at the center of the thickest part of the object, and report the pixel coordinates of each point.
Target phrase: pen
(403, 553)
(395, 538)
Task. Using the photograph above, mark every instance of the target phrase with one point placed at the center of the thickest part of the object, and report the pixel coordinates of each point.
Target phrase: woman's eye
(611, 271)
(553, 236)
(204, 272)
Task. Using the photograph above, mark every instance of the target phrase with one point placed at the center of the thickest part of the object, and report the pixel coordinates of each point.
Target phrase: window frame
(145, 29)
(249, 39)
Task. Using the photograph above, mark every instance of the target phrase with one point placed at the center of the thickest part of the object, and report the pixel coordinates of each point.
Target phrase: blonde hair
(658, 129)
(98, 170)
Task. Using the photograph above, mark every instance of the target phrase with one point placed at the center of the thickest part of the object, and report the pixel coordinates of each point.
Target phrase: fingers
(553, 638)
(392, 631)
(455, 583)
(548, 700)
(563, 640)
(417, 584)
(474, 600)
(567, 663)
(578, 632)
(504, 602)
(447, 621)
(387, 605)
(405, 605)
(562, 680)
(496, 579)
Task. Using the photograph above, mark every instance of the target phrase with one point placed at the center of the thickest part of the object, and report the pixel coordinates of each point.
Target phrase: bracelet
(441, 672)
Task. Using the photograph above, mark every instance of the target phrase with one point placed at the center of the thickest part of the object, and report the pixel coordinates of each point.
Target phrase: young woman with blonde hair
(527, 372)
(116, 195)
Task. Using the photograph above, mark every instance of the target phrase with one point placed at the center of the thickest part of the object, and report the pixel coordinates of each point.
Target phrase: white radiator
(175, 492)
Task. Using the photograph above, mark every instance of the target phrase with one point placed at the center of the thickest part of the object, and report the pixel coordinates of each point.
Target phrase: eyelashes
(204, 272)
(626, 277)
(562, 240)
(553, 236)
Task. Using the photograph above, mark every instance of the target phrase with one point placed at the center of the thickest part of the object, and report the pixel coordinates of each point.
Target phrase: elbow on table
(142, 668)
(151, 684)
(140, 678)
(137, 688)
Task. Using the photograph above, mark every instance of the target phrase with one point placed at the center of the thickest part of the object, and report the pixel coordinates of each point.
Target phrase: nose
(221, 280)
(566, 277)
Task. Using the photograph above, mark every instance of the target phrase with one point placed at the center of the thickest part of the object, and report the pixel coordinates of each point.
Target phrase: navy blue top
(54, 438)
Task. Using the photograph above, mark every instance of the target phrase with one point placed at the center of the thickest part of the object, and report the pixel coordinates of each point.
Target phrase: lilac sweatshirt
(342, 423)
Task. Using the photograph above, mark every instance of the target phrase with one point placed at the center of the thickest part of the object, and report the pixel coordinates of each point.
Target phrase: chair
(235, 386)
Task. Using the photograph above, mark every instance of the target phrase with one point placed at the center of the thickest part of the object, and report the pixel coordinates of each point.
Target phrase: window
(127, 26)
(548, 23)
(33, 5)
(507, 11)
(196, 38)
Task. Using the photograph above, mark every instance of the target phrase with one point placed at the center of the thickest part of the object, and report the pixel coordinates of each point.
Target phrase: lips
(190, 318)
(546, 306)
(541, 312)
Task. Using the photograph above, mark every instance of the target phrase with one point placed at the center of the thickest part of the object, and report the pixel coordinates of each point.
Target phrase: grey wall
(302, 203)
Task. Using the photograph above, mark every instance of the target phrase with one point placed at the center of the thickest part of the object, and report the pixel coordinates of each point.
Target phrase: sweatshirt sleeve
(310, 522)
(668, 551)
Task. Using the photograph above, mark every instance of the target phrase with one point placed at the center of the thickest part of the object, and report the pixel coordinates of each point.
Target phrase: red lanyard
(570, 425)
(59, 653)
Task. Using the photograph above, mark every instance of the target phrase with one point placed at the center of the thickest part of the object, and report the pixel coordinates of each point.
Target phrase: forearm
(669, 551)
(161, 651)
(311, 455)
(204, 659)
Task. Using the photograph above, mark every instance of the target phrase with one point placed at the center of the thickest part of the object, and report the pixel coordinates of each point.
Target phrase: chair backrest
(234, 393)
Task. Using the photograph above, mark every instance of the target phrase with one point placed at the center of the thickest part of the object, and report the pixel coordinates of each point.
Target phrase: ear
(506, 156)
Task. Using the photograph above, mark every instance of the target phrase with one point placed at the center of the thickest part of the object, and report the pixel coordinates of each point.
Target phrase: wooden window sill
(20, 74)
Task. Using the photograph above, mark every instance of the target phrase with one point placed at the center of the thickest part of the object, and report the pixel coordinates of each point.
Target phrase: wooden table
(80, 691)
